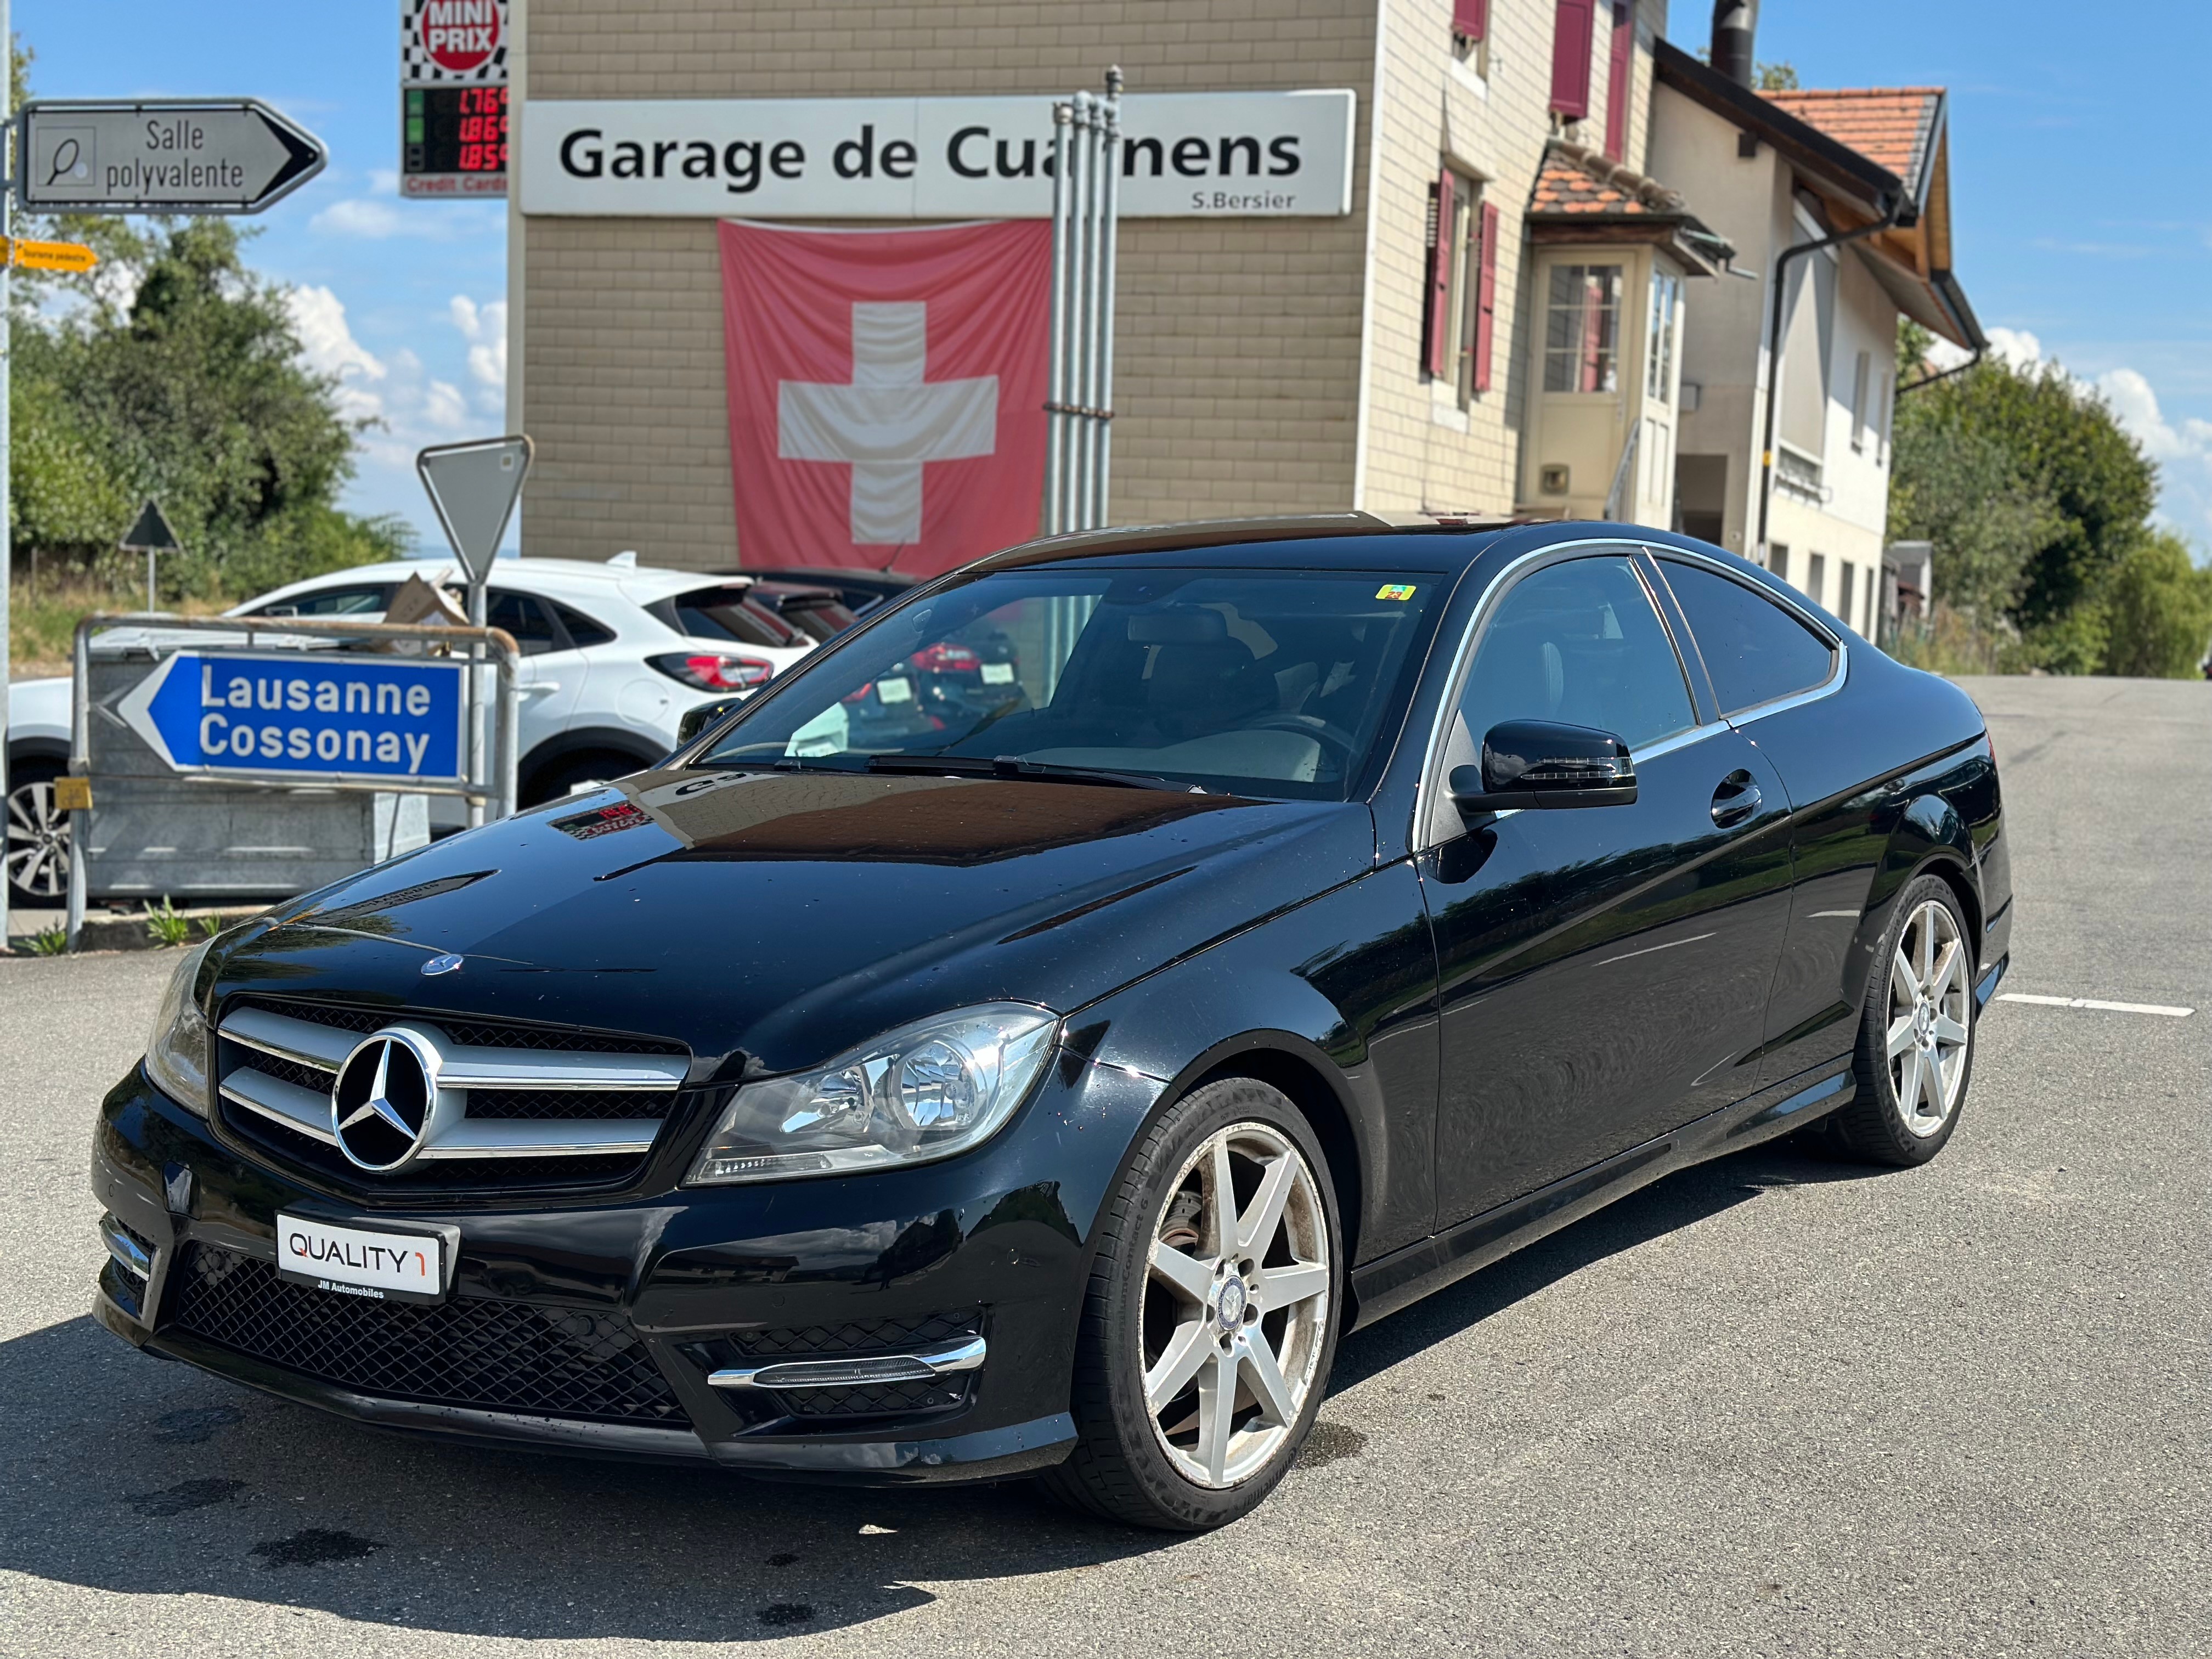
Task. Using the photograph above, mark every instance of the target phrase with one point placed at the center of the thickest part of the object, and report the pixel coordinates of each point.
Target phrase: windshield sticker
(1395, 590)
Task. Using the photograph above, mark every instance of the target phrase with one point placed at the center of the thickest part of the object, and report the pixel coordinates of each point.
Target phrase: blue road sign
(319, 715)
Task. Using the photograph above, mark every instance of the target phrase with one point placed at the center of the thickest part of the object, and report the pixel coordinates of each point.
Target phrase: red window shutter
(1471, 19)
(1573, 31)
(1486, 296)
(1617, 79)
(1440, 263)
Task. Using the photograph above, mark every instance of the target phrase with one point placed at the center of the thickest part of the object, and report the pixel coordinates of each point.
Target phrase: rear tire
(1191, 1304)
(1917, 1024)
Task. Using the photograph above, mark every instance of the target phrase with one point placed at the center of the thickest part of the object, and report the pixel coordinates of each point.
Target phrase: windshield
(1276, 682)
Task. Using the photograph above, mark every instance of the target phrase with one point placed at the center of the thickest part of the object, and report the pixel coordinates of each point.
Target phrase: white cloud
(444, 406)
(2182, 452)
(484, 327)
(319, 318)
(375, 221)
(2015, 346)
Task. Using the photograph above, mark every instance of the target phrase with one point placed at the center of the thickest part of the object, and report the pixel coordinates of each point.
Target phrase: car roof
(569, 578)
(1319, 541)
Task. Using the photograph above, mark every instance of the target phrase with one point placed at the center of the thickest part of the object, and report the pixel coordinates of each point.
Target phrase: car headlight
(926, 1090)
(178, 1057)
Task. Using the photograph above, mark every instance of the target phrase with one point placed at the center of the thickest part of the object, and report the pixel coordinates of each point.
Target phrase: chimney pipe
(1734, 21)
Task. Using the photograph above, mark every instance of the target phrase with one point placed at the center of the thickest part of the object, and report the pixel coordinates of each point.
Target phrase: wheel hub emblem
(1923, 1022)
(1229, 1307)
(382, 1103)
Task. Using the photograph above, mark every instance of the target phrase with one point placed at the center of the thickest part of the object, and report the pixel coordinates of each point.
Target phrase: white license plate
(361, 1261)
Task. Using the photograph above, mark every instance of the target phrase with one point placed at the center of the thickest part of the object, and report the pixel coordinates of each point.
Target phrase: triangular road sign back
(474, 486)
(151, 534)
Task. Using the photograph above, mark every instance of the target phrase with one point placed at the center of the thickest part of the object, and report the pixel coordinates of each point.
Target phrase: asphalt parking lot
(1774, 1405)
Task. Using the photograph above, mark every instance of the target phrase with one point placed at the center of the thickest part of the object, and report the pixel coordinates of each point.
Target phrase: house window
(1462, 255)
(1844, 572)
(1777, 560)
(1582, 329)
(1888, 406)
(1816, 579)
(1659, 356)
(1471, 35)
(1859, 377)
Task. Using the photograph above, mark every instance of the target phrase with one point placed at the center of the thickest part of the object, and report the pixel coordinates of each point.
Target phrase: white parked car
(613, 655)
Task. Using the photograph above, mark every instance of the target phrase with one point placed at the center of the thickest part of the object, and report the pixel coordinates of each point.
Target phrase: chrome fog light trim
(128, 1254)
(846, 1373)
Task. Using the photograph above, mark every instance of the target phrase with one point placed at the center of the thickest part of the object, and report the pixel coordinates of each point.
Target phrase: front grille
(551, 1104)
(495, 1356)
(603, 1136)
(860, 1335)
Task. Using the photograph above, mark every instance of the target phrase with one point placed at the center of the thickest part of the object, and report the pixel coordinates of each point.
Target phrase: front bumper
(592, 1325)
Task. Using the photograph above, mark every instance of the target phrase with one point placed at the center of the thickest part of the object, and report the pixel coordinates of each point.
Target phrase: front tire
(1212, 1315)
(36, 837)
(1916, 1046)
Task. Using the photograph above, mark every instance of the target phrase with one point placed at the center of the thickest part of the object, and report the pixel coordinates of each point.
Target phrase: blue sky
(2084, 229)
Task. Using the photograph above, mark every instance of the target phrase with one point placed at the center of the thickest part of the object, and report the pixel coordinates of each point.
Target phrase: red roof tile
(1577, 181)
(1888, 125)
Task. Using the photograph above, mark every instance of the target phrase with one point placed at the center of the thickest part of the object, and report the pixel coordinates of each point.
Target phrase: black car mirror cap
(1546, 764)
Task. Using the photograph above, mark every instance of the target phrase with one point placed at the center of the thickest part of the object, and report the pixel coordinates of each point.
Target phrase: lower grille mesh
(860, 1335)
(497, 1356)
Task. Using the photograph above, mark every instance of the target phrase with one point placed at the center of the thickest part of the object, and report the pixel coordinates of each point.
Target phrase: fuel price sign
(452, 98)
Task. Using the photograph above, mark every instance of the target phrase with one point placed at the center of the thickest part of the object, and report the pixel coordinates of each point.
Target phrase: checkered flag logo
(419, 67)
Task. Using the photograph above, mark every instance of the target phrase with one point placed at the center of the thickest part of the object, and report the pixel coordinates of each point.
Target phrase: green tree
(2031, 491)
(2156, 604)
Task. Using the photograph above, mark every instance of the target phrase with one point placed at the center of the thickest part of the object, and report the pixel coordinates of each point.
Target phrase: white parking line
(2091, 1002)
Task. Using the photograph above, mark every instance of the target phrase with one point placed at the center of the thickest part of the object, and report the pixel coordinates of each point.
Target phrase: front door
(1604, 970)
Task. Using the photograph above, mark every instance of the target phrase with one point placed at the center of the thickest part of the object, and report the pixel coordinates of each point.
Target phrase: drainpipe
(1980, 352)
(1888, 221)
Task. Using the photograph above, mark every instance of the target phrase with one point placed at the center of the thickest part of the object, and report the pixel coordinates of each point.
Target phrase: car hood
(775, 920)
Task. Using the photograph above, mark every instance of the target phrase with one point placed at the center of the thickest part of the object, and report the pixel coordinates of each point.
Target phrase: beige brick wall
(1236, 366)
(1491, 127)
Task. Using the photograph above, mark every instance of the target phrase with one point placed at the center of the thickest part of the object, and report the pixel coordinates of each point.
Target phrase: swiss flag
(887, 392)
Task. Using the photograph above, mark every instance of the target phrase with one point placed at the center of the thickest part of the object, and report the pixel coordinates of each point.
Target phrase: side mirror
(1543, 763)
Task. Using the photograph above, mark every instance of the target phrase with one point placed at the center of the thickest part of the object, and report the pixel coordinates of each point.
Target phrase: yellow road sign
(52, 256)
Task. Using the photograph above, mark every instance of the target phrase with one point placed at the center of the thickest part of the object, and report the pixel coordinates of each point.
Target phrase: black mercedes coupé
(1023, 1039)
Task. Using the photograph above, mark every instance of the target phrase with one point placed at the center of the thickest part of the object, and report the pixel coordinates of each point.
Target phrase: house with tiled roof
(1838, 204)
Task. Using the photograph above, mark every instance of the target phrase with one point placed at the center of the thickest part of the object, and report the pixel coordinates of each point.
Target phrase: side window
(1754, 650)
(522, 616)
(1579, 642)
(582, 630)
(365, 601)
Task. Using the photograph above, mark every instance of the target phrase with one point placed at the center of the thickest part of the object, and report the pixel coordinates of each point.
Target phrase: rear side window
(724, 613)
(1754, 650)
(582, 630)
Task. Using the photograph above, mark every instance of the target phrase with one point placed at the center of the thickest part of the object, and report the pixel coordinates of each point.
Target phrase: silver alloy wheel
(1236, 1304)
(38, 846)
(1930, 1010)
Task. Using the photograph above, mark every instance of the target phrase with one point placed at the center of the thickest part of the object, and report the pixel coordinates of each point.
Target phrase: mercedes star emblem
(382, 1102)
(445, 964)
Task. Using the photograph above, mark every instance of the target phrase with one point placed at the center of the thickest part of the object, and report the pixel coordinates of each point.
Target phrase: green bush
(2157, 610)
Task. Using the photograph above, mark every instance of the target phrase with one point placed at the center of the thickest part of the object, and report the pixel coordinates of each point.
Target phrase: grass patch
(42, 617)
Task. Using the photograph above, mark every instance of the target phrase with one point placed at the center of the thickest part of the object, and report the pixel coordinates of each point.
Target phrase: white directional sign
(474, 486)
(174, 156)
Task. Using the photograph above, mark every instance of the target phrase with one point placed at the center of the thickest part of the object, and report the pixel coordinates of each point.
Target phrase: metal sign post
(165, 155)
(150, 535)
(1085, 220)
(473, 488)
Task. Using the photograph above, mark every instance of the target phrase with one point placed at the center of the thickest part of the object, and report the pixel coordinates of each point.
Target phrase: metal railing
(494, 786)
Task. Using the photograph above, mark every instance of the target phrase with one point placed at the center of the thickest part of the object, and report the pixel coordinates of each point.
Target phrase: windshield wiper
(1013, 766)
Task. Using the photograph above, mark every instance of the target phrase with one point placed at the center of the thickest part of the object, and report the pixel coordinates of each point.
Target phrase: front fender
(1333, 1002)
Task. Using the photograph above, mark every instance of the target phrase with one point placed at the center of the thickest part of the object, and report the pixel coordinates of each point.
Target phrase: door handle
(1735, 800)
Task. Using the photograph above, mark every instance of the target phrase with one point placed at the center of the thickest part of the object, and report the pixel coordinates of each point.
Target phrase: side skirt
(1405, 1276)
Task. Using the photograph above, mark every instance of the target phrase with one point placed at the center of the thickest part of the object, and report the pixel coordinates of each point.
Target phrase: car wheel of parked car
(38, 836)
(1915, 1049)
(1211, 1317)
